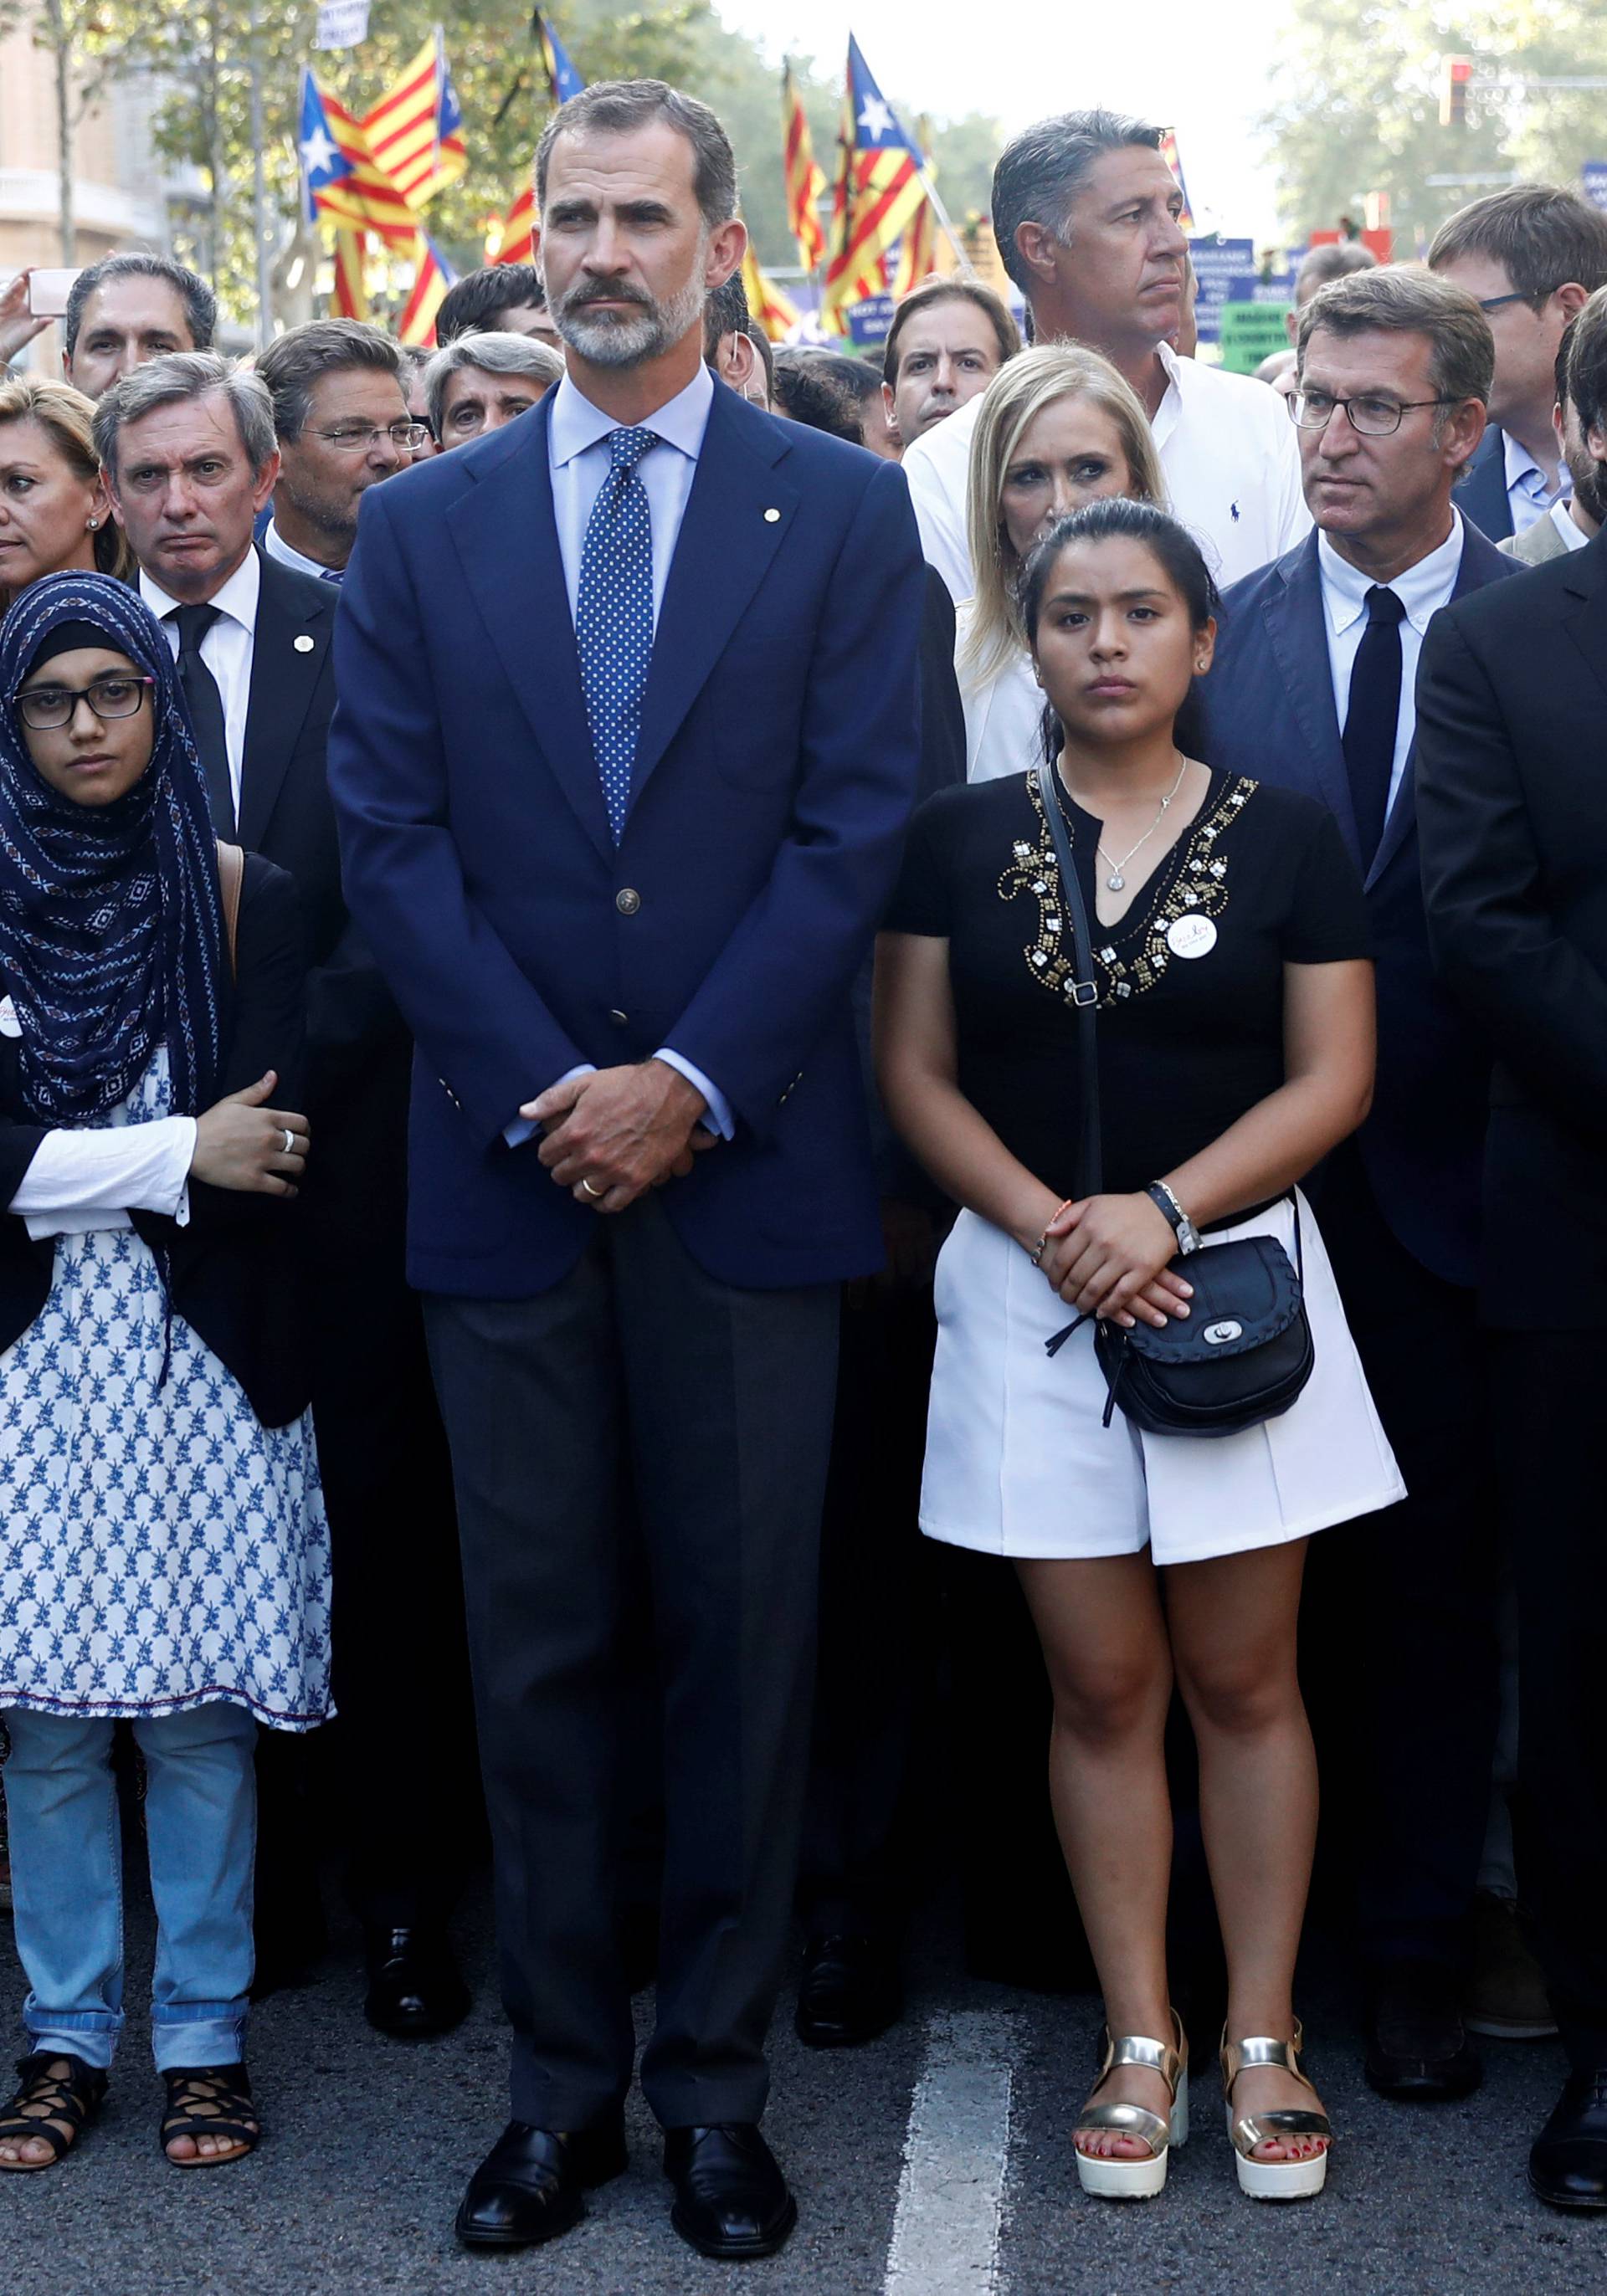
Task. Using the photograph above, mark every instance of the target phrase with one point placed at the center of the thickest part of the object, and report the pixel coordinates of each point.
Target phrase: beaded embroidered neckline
(1133, 955)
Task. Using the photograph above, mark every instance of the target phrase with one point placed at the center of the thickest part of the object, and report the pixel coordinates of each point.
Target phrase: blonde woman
(1057, 427)
(55, 514)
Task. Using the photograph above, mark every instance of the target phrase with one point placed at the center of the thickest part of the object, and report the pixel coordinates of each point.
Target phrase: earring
(92, 523)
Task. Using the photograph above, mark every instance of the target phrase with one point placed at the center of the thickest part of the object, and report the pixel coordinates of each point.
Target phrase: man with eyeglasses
(1529, 256)
(340, 399)
(1313, 687)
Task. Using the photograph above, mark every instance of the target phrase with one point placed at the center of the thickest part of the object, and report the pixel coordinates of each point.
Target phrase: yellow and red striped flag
(805, 184)
(1168, 153)
(775, 313)
(917, 249)
(432, 278)
(349, 297)
(414, 131)
(513, 239)
(878, 193)
(339, 177)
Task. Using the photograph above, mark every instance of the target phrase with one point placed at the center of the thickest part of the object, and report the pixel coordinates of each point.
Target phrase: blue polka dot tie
(614, 618)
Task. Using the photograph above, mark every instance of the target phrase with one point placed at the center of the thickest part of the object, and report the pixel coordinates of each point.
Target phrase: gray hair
(200, 303)
(494, 353)
(186, 374)
(1337, 262)
(615, 107)
(1408, 299)
(295, 361)
(1041, 172)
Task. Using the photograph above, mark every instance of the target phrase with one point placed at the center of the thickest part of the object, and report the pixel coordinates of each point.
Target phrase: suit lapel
(506, 535)
(1296, 625)
(1585, 622)
(283, 682)
(737, 514)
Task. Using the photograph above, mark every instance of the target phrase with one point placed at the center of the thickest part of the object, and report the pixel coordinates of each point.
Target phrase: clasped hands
(610, 1135)
(1109, 1255)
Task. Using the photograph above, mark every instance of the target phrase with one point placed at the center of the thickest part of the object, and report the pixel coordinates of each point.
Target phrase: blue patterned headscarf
(111, 921)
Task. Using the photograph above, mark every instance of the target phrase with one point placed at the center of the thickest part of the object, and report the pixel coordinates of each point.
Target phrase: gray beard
(625, 342)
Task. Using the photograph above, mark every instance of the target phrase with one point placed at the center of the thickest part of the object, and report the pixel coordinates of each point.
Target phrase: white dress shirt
(1562, 518)
(227, 649)
(1003, 714)
(1228, 453)
(578, 457)
(1531, 491)
(1422, 590)
(81, 1181)
(275, 545)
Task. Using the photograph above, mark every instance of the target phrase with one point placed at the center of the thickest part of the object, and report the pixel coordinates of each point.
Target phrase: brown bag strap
(231, 877)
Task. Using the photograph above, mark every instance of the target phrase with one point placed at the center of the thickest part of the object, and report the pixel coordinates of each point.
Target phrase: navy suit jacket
(775, 771)
(1482, 496)
(1268, 710)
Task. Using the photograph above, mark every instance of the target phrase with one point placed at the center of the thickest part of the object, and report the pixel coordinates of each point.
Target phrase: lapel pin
(303, 644)
(770, 516)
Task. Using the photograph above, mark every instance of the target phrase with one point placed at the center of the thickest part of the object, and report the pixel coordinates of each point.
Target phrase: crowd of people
(637, 968)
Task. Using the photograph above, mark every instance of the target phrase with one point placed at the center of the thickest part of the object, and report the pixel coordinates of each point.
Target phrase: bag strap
(231, 878)
(1091, 1161)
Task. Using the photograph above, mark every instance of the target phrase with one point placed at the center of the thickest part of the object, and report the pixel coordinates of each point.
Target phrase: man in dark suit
(1312, 687)
(189, 451)
(1529, 256)
(1511, 692)
(626, 742)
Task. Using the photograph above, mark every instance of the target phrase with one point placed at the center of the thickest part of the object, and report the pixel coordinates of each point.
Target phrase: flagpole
(944, 223)
(265, 285)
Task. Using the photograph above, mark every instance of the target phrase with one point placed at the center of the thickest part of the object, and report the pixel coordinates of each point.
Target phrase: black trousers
(879, 1621)
(1548, 1446)
(639, 1377)
(1399, 1630)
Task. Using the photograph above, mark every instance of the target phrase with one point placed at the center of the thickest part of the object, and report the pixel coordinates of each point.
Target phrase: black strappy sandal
(209, 2101)
(46, 2099)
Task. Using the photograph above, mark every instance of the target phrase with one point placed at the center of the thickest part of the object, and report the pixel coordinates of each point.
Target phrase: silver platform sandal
(1121, 2179)
(1273, 2180)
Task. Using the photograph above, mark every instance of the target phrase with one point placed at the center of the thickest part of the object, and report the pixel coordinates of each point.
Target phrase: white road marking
(950, 2193)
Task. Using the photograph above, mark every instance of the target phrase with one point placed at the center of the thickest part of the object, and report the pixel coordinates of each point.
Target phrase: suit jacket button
(627, 901)
(620, 1020)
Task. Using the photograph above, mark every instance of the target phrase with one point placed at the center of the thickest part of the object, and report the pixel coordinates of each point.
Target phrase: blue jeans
(67, 1881)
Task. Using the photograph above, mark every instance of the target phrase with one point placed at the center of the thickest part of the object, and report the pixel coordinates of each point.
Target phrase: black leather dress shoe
(1418, 2050)
(1568, 2166)
(849, 1992)
(530, 2186)
(415, 1989)
(731, 2200)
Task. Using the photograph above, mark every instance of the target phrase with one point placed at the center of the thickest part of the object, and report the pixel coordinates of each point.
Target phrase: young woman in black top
(1236, 1038)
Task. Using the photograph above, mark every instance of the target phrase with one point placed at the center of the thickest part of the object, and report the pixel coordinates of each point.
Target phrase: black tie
(206, 712)
(1373, 717)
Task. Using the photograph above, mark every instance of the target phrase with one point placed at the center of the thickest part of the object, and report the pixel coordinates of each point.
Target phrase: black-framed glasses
(1487, 303)
(1375, 417)
(46, 708)
(359, 438)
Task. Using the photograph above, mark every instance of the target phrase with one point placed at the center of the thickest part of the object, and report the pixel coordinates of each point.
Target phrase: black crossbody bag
(1245, 1352)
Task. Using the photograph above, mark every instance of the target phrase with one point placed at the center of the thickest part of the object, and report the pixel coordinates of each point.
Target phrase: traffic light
(1455, 73)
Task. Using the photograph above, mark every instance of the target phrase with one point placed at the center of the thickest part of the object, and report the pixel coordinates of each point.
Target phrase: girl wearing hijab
(163, 1553)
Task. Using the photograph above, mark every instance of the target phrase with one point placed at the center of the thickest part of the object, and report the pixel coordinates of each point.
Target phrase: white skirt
(1018, 1461)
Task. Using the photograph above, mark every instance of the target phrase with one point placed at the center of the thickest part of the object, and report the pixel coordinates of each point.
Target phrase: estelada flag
(414, 131)
(1168, 153)
(339, 177)
(430, 280)
(878, 191)
(775, 313)
(917, 249)
(562, 76)
(513, 239)
(805, 184)
(349, 298)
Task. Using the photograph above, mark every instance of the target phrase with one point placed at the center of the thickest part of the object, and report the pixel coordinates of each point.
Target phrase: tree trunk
(60, 45)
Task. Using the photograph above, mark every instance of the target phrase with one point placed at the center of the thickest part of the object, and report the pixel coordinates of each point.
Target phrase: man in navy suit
(1313, 687)
(626, 740)
(1530, 256)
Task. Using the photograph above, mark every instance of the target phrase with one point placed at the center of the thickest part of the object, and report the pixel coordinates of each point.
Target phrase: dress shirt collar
(275, 545)
(681, 421)
(1524, 473)
(238, 598)
(1562, 519)
(1423, 589)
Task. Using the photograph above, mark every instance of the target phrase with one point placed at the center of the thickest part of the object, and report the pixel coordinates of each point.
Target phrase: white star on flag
(877, 119)
(318, 154)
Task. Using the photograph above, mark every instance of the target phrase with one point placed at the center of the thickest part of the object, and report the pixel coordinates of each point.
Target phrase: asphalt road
(935, 2162)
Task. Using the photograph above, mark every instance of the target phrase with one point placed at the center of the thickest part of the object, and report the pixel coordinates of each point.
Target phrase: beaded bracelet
(1037, 1256)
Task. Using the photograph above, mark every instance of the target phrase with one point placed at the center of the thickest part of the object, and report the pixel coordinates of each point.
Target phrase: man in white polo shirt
(1087, 216)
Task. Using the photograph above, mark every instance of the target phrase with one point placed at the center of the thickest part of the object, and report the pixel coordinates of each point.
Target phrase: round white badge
(1190, 936)
(303, 644)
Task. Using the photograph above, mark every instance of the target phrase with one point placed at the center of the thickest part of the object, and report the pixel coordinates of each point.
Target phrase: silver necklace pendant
(1116, 882)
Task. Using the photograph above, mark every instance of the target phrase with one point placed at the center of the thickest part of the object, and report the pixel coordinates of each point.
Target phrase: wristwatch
(1183, 1226)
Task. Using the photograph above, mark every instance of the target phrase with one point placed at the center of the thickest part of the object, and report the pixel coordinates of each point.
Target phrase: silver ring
(596, 1193)
(290, 1142)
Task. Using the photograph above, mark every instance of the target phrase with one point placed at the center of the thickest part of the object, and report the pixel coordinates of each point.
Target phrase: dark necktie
(206, 712)
(614, 617)
(1373, 717)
